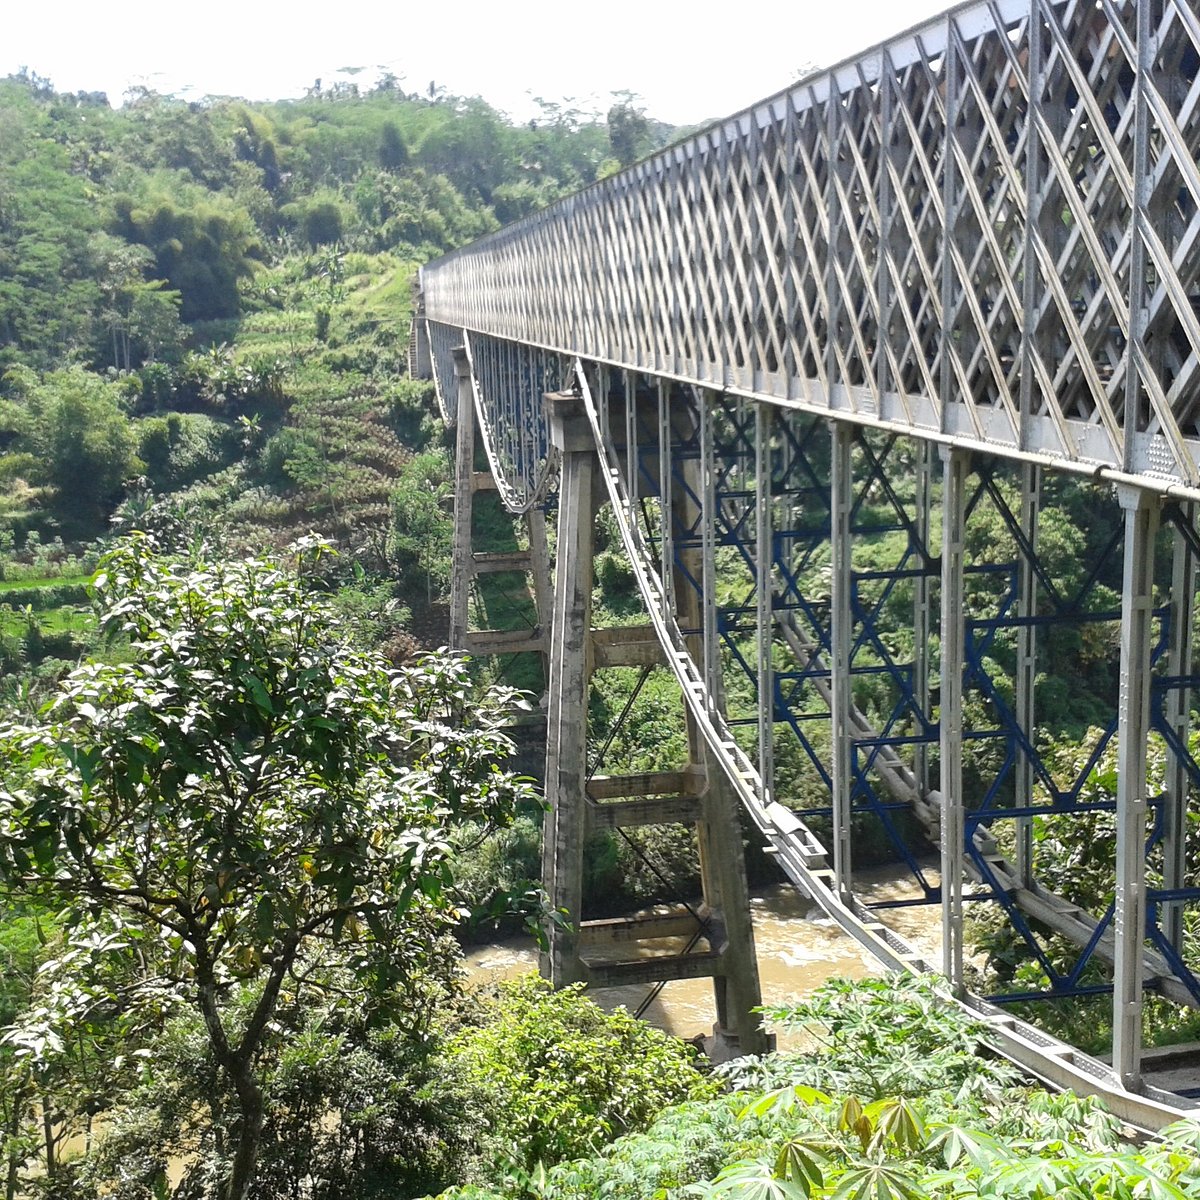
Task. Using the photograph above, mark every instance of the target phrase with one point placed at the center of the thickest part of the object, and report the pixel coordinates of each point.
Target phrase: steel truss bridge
(892, 383)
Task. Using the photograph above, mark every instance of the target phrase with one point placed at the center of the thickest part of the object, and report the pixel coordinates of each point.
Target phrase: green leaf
(264, 918)
(897, 1122)
(784, 1100)
(262, 699)
(957, 1142)
(878, 1181)
(754, 1180)
(1027, 1178)
(799, 1162)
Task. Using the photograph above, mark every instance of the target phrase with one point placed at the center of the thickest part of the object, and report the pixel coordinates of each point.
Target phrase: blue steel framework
(671, 426)
(983, 236)
(800, 470)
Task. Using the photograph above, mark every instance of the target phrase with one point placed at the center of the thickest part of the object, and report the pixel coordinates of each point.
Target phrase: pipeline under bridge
(890, 383)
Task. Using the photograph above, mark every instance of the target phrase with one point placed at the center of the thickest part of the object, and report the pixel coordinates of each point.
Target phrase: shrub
(41, 599)
(566, 1077)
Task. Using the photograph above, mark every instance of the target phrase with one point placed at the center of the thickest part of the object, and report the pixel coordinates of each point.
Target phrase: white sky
(688, 61)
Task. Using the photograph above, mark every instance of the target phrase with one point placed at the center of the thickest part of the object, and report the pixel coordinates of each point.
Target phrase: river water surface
(798, 949)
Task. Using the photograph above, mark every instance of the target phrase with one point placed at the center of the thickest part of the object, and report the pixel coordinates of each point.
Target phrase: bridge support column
(922, 609)
(764, 583)
(565, 829)
(840, 637)
(1133, 728)
(1031, 478)
(954, 479)
(718, 832)
(579, 802)
(461, 573)
(1178, 714)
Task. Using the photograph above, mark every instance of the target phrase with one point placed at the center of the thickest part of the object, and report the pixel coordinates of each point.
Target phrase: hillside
(204, 314)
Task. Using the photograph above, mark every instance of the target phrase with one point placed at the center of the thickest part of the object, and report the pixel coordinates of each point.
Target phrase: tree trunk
(238, 1061)
(51, 1142)
(14, 1128)
(249, 1132)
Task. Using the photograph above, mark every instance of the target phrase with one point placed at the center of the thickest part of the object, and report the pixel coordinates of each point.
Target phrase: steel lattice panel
(963, 233)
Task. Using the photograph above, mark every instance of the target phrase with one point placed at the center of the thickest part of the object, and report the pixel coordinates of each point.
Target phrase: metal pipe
(1026, 669)
(462, 573)
(764, 552)
(1178, 714)
(922, 608)
(708, 566)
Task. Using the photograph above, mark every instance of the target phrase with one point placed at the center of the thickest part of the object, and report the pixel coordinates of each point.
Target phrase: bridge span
(891, 384)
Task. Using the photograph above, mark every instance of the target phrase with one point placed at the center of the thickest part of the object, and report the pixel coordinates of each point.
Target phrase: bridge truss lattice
(854, 324)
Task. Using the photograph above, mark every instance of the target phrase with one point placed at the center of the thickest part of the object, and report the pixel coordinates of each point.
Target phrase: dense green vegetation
(890, 1100)
(243, 821)
(227, 889)
(204, 321)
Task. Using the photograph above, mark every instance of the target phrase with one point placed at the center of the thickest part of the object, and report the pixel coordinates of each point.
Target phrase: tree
(20, 934)
(393, 153)
(629, 131)
(134, 310)
(565, 1077)
(202, 242)
(243, 789)
(76, 424)
(47, 293)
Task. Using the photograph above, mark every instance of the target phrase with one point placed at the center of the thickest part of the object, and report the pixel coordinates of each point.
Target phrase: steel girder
(770, 620)
(507, 382)
(640, 428)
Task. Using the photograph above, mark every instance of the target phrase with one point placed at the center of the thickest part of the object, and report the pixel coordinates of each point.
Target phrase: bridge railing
(983, 231)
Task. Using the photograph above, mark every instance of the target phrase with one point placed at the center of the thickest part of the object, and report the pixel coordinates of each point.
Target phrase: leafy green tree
(255, 141)
(319, 219)
(393, 153)
(243, 789)
(422, 529)
(22, 930)
(405, 1124)
(418, 210)
(47, 214)
(629, 131)
(76, 424)
(138, 313)
(203, 242)
(192, 139)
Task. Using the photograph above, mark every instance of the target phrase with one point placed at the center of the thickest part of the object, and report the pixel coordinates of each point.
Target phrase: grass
(20, 585)
(68, 619)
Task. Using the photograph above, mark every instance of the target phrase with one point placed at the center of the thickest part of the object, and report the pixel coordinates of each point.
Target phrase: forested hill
(213, 297)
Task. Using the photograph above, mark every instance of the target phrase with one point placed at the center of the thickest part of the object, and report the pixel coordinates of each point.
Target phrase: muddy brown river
(798, 949)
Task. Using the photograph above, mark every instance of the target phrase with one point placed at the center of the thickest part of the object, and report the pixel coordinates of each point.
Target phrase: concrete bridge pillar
(565, 829)
(713, 939)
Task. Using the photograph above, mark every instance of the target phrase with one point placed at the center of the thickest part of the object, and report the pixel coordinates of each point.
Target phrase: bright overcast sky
(688, 61)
